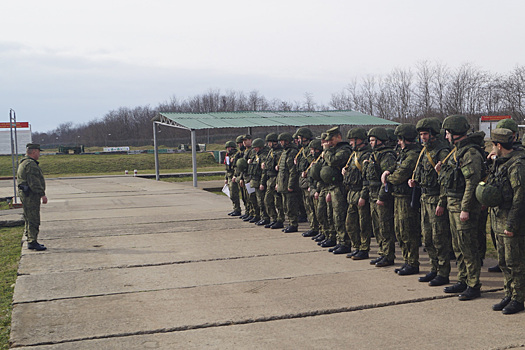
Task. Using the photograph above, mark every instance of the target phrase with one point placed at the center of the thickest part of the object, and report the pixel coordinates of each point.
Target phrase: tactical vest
(426, 176)
(354, 177)
(500, 179)
(373, 170)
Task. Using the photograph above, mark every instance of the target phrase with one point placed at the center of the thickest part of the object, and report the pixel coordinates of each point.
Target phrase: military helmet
(356, 133)
(327, 174)
(285, 136)
(259, 143)
(432, 125)
(508, 124)
(241, 164)
(230, 144)
(316, 144)
(391, 134)
(456, 124)
(488, 195)
(406, 131)
(239, 139)
(304, 132)
(315, 171)
(379, 133)
(272, 137)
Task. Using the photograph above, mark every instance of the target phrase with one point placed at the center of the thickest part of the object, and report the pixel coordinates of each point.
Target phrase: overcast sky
(74, 61)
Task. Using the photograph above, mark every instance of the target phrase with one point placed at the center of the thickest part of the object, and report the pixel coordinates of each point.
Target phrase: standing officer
(406, 220)
(272, 200)
(459, 173)
(231, 151)
(260, 151)
(314, 156)
(288, 180)
(237, 175)
(505, 194)
(434, 215)
(246, 177)
(381, 159)
(358, 220)
(31, 190)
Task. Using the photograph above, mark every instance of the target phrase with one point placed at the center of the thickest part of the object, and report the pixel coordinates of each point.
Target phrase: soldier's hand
(290, 190)
(343, 171)
(491, 155)
(381, 203)
(276, 187)
(241, 183)
(328, 198)
(234, 179)
(316, 195)
(44, 200)
(440, 211)
(249, 161)
(303, 174)
(437, 168)
(411, 183)
(261, 187)
(384, 175)
(226, 182)
(464, 216)
(263, 165)
(510, 234)
(361, 202)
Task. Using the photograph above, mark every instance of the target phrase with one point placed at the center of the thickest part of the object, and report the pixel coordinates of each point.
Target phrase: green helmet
(285, 136)
(241, 164)
(379, 133)
(488, 195)
(456, 124)
(316, 144)
(508, 124)
(315, 171)
(239, 139)
(259, 143)
(304, 132)
(327, 174)
(391, 134)
(432, 125)
(356, 133)
(230, 144)
(272, 137)
(406, 131)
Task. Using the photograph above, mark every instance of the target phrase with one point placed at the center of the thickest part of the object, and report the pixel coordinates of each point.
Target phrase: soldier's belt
(374, 183)
(430, 191)
(455, 194)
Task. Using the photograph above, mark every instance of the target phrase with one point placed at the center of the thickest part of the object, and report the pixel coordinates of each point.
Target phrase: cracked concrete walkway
(138, 264)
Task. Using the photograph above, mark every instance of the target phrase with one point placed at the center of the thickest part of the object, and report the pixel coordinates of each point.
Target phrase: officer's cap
(33, 146)
(501, 135)
(330, 133)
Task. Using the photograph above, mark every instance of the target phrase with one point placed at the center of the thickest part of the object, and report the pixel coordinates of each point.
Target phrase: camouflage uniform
(303, 160)
(288, 178)
(406, 220)
(435, 229)
(272, 199)
(324, 210)
(381, 159)
(256, 174)
(358, 219)
(29, 175)
(459, 176)
(250, 155)
(229, 163)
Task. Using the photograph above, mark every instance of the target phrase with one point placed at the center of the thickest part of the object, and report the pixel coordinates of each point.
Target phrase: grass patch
(97, 164)
(10, 247)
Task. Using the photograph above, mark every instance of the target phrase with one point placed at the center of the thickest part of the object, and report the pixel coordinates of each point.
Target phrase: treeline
(404, 95)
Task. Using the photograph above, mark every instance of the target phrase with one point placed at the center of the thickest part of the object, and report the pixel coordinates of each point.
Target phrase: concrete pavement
(138, 264)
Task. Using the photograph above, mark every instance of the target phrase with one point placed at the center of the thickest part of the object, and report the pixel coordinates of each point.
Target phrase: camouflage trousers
(436, 235)
(383, 227)
(309, 206)
(259, 195)
(482, 233)
(339, 207)
(253, 207)
(291, 207)
(358, 222)
(408, 233)
(234, 194)
(465, 243)
(325, 216)
(273, 201)
(31, 213)
(511, 260)
(244, 198)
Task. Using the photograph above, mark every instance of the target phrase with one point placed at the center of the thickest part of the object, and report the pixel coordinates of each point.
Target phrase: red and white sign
(494, 118)
(19, 125)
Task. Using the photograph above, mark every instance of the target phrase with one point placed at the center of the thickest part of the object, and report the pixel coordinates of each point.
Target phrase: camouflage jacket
(337, 157)
(30, 174)
(508, 174)
(406, 164)
(229, 163)
(269, 164)
(354, 176)
(287, 175)
(254, 167)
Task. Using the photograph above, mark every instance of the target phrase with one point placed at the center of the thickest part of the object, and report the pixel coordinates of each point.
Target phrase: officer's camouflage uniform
(406, 220)
(256, 174)
(288, 178)
(273, 201)
(509, 175)
(435, 229)
(381, 159)
(358, 219)
(459, 176)
(324, 210)
(336, 157)
(303, 160)
(253, 208)
(29, 174)
(229, 163)
(238, 175)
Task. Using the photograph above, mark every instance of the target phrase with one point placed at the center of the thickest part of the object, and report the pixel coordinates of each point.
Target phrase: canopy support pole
(156, 151)
(194, 156)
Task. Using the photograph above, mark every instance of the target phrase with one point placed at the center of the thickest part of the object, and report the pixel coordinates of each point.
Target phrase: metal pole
(14, 149)
(194, 156)
(156, 151)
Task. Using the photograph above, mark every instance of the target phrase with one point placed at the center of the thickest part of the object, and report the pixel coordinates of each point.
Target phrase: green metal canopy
(199, 121)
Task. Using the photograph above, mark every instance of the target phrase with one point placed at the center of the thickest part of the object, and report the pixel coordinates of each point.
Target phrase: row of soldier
(430, 180)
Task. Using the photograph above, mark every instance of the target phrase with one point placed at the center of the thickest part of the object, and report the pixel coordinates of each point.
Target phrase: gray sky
(73, 61)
